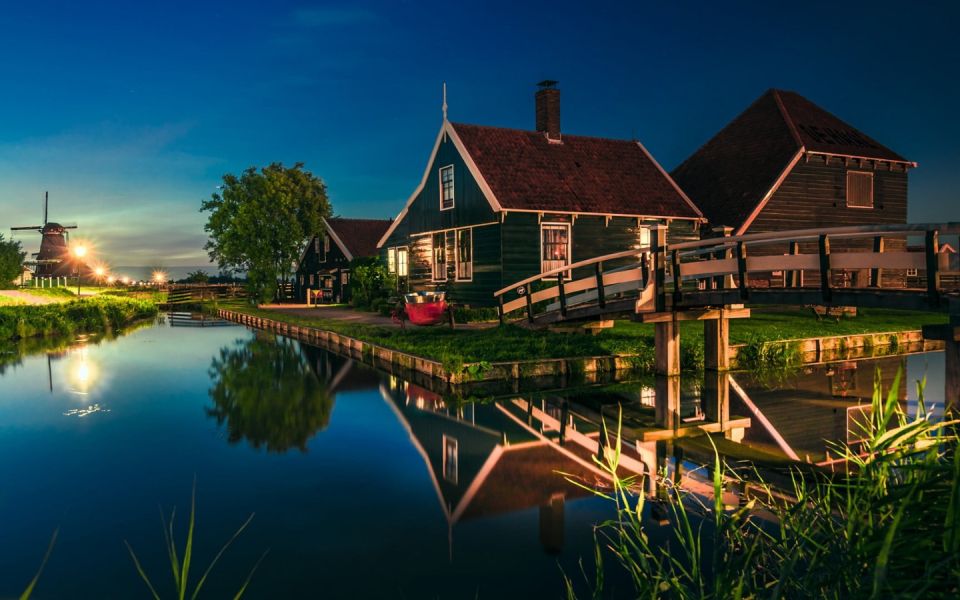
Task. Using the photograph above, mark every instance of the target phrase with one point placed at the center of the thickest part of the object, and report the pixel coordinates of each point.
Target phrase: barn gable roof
(735, 173)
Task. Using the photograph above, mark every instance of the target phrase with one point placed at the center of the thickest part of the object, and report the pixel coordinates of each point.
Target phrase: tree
(265, 392)
(11, 261)
(196, 277)
(260, 221)
(369, 280)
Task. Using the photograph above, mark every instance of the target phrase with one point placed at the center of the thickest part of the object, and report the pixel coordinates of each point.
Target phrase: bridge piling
(716, 343)
(666, 336)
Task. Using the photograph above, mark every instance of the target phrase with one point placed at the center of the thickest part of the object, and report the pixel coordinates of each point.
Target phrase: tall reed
(887, 527)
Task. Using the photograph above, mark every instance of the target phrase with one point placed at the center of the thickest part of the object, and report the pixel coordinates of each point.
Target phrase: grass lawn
(509, 343)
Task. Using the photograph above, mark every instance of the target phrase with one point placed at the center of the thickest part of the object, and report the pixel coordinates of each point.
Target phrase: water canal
(362, 484)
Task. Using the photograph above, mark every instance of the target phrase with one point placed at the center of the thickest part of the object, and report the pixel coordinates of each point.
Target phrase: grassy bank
(67, 318)
(511, 343)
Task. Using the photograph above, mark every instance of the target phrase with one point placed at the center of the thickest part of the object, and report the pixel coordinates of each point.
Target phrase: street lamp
(79, 252)
(99, 271)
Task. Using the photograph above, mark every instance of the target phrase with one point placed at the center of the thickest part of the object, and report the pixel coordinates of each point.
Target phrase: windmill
(54, 256)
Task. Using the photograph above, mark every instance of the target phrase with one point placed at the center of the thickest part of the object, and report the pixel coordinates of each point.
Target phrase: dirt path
(348, 315)
(27, 298)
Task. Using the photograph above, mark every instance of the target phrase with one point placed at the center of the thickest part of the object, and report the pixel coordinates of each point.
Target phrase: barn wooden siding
(814, 195)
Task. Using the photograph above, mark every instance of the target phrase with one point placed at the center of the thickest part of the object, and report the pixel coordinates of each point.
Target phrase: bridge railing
(603, 288)
(869, 258)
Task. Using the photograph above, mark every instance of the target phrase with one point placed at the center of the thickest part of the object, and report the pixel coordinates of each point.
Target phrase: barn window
(464, 254)
(554, 246)
(446, 187)
(439, 257)
(859, 189)
(402, 269)
(391, 260)
(344, 277)
(912, 272)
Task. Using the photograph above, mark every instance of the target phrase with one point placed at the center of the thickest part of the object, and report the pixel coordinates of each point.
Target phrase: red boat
(426, 308)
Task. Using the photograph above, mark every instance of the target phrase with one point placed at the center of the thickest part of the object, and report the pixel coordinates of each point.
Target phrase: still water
(362, 485)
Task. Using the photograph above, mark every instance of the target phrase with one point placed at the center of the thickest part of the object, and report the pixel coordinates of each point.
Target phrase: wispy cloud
(133, 191)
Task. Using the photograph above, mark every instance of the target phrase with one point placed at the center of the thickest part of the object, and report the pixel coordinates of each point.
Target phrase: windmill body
(54, 258)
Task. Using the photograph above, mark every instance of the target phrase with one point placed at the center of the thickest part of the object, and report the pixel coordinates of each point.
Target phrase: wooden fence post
(742, 270)
(677, 278)
(793, 277)
(933, 267)
(601, 294)
(824, 248)
(877, 273)
(658, 239)
(563, 295)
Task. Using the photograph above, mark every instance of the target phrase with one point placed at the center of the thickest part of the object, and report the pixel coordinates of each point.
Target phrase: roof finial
(444, 101)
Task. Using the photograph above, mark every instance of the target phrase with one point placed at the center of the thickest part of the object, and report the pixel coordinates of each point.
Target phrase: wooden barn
(324, 264)
(496, 205)
(786, 164)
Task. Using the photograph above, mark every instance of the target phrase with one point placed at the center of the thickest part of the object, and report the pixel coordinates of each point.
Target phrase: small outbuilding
(787, 164)
(324, 265)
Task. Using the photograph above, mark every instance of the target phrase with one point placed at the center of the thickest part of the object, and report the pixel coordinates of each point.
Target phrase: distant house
(496, 205)
(324, 265)
(786, 164)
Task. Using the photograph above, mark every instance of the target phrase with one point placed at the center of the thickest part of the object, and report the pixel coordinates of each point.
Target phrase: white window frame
(546, 225)
(456, 255)
(913, 272)
(453, 193)
(405, 271)
(873, 202)
(435, 274)
(392, 260)
(450, 469)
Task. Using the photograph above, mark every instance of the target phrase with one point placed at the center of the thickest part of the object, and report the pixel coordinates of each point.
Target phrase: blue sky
(129, 112)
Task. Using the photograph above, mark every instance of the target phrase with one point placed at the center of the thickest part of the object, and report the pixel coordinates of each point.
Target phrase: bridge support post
(716, 399)
(716, 343)
(666, 335)
(951, 384)
(666, 407)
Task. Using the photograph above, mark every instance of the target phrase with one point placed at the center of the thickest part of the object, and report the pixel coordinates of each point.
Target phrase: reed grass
(180, 567)
(887, 526)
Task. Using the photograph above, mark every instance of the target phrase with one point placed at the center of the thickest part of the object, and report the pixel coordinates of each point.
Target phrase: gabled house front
(324, 265)
(786, 164)
(497, 205)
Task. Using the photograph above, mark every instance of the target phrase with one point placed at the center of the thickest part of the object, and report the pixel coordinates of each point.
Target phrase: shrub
(88, 314)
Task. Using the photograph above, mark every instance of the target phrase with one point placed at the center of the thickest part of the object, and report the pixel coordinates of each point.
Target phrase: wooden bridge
(712, 279)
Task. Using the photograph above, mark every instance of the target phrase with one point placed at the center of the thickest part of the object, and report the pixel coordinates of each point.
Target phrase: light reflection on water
(350, 471)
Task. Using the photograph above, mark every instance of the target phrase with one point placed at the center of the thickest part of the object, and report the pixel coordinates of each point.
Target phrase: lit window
(391, 260)
(911, 272)
(439, 257)
(326, 244)
(451, 459)
(859, 189)
(344, 277)
(402, 262)
(446, 187)
(464, 254)
(311, 279)
(554, 246)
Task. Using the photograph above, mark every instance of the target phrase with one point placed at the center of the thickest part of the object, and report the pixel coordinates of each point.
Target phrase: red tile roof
(359, 235)
(525, 171)
(731, 174)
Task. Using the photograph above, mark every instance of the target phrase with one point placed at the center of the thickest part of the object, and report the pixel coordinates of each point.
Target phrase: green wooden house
(324, 264)
(496, 205)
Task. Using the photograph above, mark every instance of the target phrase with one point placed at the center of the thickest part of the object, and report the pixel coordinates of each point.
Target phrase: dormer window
(446, 187)
(859, 189)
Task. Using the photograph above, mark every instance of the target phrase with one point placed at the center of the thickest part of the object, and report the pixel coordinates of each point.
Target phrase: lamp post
(99, 271)
(79, 252)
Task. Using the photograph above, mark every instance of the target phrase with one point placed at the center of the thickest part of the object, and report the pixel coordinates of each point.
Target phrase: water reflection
(266, 392)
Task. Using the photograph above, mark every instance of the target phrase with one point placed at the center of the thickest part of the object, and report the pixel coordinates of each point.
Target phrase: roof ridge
(531, 131)
(788, 119)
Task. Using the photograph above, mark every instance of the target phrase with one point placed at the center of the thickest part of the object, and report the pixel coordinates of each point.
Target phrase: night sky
(128, 113)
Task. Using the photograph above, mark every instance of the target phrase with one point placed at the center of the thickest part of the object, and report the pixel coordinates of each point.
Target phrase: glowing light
(111, 279)
(126, 281)
(82, 373)
(80, 251)
(159, 276)
(99, 271)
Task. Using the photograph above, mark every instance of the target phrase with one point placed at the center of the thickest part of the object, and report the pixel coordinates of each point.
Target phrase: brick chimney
(548, 110)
